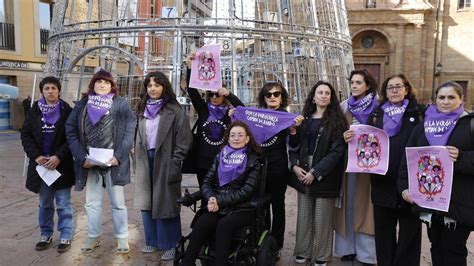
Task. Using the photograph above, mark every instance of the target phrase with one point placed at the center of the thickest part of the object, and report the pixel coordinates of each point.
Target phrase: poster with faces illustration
(206, 68)
(368, 150)
(430, 176)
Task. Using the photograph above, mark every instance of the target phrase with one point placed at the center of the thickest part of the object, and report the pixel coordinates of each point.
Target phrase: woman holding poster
(397, 115)
(445, 124)
(354, 218)
(213, 119)
(316, 155)
(163, 139)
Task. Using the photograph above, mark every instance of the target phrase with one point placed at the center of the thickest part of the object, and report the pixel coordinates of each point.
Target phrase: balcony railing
(7, 36)
(44, 35)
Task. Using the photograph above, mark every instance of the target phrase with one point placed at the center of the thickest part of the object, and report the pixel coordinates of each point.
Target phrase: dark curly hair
(167, 95)
(333, 116)
(252, 146)
(266, 88)
(372, 86)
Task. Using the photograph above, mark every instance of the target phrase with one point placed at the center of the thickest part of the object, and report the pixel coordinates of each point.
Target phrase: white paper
(48, 176)
(100, 157)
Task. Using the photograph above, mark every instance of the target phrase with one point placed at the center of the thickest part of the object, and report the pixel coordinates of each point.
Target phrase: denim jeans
(64, 210)
(161, 233)
(93, 205)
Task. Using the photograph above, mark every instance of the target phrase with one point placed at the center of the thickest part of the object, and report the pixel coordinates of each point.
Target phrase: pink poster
(368, 150)
(430, 176)
(206, 68)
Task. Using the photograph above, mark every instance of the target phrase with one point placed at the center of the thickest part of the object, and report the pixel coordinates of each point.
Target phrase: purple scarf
(50, 112)
(232, 164)
(152, 108)
(264, 123)
(392, 117)
(98, 106)
(216, 112)
(439, 126)
(361, 109)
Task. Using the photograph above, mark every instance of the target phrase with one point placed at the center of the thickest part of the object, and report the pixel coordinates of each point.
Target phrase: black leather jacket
(238, 193)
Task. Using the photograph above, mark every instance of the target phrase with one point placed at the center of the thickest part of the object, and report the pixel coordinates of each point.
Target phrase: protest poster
(430, 176)
(368, 150)
(264, 123)
(206, 68)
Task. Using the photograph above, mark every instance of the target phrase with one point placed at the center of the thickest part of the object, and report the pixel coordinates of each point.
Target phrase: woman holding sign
(316, 155)
(446, 124)
(232, 181)
(354, 219)
(162, 141)
(397, 115)
(213, 119)
(102, 119)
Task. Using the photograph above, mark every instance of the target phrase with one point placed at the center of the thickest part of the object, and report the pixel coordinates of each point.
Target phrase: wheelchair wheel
(267, 252)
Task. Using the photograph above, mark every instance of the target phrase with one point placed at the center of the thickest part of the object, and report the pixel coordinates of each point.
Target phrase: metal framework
(294, 42)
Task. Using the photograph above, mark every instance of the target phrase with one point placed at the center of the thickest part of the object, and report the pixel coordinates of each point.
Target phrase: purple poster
(368, 150)
(206, 68)
(264, 123)
(430, 176)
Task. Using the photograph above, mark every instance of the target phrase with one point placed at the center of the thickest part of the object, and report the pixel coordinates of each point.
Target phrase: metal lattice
(294, 42)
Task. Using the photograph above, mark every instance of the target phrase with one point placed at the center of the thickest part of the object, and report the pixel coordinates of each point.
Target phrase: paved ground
(19, 227)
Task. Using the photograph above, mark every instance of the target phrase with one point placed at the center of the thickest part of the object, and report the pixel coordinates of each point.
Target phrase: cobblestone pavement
(19, 223)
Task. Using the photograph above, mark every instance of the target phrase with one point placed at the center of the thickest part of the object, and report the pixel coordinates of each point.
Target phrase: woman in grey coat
(163, 140)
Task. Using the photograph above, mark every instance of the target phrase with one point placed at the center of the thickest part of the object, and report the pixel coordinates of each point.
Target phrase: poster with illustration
(206, 68)
(368, 150)
(430, 176)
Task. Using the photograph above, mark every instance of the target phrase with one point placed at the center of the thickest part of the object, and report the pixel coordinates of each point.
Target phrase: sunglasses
(275, 94)
(214, 94)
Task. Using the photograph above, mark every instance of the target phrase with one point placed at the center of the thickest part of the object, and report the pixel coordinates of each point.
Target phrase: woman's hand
(453, 153)
(223, 92)
(212, 205)
(40, 160)
(87, 164)
(189, 59)
(308, 179)
(299, 172)
(52, 162)
(113, 161)
(231, 111)
(296, 123)
(406, 196)
(348, 135)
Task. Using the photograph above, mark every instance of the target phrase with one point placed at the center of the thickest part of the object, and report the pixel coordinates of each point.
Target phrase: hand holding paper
(48, 176)
(100, 157)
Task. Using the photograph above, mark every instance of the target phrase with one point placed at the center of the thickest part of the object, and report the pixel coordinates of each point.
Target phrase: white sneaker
(168, 255)
(149, 249)
(300, 259)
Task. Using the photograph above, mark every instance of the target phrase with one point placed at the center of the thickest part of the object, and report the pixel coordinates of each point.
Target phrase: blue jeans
(64, 210)
(94, 204)
(161, 233)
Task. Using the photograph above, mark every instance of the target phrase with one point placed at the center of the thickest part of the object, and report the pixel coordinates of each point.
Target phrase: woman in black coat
(447, 231)
(397, 114)
(44, 141)
(232, 181)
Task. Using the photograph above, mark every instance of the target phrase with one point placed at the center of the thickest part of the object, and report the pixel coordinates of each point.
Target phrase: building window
(367, 42)
(45, 19)
(464, 4)
(371, 3)
(7, 28)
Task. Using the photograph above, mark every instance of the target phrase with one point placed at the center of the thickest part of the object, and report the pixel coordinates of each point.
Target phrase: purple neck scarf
(232, 163)
(98, 106)
(392, 117)
(152, 108)
(361, 109)
(50, 112)
(264, 123)
(216, 112)
(439, 126)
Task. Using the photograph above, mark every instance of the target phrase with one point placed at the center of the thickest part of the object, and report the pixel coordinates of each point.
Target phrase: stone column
(400, 52)
(419, 58)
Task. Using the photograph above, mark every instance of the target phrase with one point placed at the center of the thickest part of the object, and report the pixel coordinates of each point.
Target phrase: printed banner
(206, 68)
(368, 151)
(430, 176)
(264, 123)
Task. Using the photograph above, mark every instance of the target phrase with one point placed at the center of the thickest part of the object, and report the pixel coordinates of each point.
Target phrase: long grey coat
(173, 142)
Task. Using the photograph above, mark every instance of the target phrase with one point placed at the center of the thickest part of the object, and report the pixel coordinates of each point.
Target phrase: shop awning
(8, 92)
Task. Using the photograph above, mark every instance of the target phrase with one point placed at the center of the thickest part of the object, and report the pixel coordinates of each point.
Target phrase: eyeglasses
(396, 87)
(275, 94)
(214, 94)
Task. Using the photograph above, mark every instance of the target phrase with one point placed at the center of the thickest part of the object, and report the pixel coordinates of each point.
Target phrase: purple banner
(206, 68)
(264, 123)
(430, 176)
(368, 150)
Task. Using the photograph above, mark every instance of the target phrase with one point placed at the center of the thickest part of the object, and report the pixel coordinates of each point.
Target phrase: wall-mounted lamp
(438, 69)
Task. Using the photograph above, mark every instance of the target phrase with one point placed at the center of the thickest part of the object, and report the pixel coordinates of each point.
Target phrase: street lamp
(438, 69)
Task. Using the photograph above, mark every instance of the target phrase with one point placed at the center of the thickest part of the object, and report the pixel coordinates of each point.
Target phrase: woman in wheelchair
(232, 181)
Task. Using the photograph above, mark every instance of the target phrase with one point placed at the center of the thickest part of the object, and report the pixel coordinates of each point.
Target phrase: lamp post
(438, 69)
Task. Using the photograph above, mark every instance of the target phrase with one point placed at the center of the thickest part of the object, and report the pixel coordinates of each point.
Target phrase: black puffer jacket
(237, 193)
(461, 207)
(384, 187)
(328, 159)
(32, 141)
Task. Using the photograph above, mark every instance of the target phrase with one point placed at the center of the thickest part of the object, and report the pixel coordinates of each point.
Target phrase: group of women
(310, 156)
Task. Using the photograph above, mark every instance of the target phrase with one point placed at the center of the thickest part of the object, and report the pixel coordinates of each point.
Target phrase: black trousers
(276, 186)
(223, 226)
(448, 242)
(392, 252)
